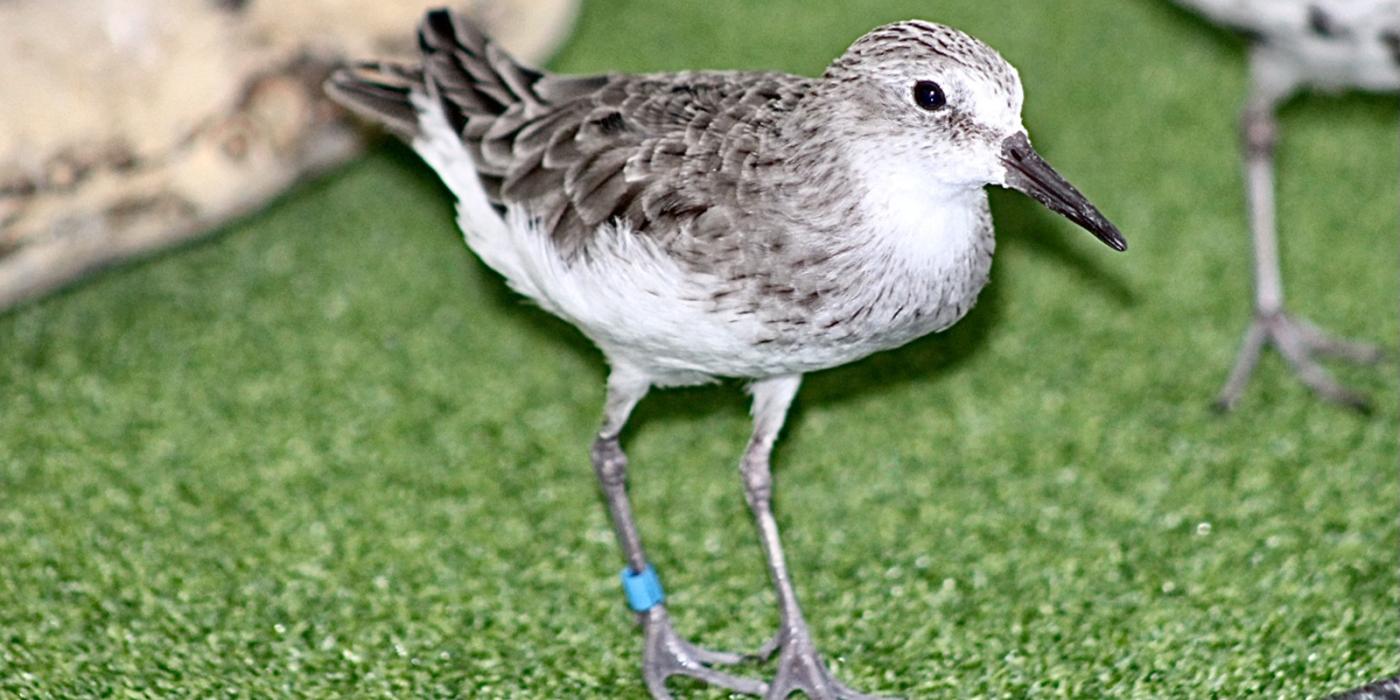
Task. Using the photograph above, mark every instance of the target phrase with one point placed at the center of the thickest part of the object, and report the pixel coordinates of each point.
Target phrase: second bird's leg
(665, 653)
(800, 667)
(1296, 339)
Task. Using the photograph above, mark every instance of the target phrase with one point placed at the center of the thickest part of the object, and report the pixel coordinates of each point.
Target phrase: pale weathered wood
(131, 125)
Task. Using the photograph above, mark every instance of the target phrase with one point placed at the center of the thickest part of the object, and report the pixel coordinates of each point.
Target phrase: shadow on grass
(1021, 222)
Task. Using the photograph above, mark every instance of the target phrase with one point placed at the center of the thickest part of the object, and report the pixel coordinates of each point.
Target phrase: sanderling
(708, 225)
(1297, 44)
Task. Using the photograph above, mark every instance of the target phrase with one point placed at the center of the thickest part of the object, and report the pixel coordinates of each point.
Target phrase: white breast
(928, 255)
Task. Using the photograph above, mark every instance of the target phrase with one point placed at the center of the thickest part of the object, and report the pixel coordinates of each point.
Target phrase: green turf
(326, 454)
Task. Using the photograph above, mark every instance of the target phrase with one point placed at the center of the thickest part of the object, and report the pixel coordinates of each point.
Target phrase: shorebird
(1327, 45)
(726, 225)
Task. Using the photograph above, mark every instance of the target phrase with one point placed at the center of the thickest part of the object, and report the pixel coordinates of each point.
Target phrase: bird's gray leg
(1260, 141)
(800, 667)
(1259, 132)
(1296, 340)
(665, 653)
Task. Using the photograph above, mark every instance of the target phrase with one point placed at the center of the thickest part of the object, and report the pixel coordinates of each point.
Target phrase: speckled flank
(1391, 41)
(1320, 23)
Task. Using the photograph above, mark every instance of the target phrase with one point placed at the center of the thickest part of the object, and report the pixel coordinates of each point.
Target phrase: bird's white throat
(923, 222)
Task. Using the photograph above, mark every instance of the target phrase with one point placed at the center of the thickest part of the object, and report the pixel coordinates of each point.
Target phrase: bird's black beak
(1027, 172)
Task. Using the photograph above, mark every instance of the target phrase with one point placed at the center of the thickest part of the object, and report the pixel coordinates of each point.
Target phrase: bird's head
(945, 107)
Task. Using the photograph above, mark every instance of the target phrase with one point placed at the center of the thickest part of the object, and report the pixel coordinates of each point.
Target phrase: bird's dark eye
(928, 95)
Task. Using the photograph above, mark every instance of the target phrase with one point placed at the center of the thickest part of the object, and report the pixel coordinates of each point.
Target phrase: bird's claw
(801, 668)
(764, 653)
(1298, 341)
(668, 654)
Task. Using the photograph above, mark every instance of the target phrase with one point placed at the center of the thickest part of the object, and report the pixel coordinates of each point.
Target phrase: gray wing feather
(578, 152)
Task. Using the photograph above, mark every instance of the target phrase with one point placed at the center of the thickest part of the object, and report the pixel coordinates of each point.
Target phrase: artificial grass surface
(326, 454)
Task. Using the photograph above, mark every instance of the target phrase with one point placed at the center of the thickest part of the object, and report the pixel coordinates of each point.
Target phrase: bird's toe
(668, 654)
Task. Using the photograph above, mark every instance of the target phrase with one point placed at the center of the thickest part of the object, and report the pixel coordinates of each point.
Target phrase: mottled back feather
(578, 152)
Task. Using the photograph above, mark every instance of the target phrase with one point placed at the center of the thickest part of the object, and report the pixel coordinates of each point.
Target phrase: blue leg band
(643, 589)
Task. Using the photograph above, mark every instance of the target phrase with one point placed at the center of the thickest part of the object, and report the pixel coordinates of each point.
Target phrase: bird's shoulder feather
(655, 153)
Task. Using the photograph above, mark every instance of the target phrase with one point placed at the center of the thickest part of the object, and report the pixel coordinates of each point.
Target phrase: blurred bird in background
(1295, 45)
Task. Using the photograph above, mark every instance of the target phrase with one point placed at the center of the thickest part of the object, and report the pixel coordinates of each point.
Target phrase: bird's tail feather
(473, 76)
(380, 91)
(473, 79)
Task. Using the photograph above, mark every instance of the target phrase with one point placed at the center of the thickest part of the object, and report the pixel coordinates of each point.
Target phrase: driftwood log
(130, 125)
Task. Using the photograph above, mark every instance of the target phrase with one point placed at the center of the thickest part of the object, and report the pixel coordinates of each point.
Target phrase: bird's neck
(884, 187)
(845, 189)
(914, 216)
